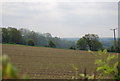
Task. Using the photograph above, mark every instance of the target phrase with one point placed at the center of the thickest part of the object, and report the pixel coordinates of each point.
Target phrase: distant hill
(71, 39)
(107, 42)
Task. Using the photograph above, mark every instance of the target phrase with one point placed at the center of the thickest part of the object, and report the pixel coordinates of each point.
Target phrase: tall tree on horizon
(89, 41)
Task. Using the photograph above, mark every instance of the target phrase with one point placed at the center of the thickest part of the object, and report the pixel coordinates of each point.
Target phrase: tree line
(27, 37)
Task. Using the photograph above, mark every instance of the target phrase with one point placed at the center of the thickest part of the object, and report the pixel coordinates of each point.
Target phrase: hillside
(48, 63)
(41, 62)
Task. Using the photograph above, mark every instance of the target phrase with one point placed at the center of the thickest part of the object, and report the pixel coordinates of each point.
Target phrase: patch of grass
(32, 46)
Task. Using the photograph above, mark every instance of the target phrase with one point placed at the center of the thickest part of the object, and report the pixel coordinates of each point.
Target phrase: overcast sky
(62, 19)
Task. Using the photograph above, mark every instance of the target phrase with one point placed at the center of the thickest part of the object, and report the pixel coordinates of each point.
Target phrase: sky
(62, 19)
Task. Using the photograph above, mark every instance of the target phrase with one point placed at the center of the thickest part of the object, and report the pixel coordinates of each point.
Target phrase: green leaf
(110, 57)
(11, 71)
(115, 65)
(99, 68)
(90, 51)
(105, 51)
(99, 61)
(73, 77)
(82, 75)
(115, 68)
(91, 77)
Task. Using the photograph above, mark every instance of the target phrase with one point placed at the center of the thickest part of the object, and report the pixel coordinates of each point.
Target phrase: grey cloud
(54, 17)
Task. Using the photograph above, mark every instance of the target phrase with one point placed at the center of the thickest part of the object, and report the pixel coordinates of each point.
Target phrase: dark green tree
(96, 45)
(14, 35)
(89, 38)
(89, 41)
(82, 44)
(52, 44)
(11, 35)
(5, 35)
(30, 42)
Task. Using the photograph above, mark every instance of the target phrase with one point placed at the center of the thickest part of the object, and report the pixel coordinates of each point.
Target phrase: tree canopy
(52, 44)
(25, 36)
(89, 41)
(11, 35)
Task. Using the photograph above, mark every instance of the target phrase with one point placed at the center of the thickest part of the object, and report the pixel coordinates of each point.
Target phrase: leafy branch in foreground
(107, 67)
(7, 70)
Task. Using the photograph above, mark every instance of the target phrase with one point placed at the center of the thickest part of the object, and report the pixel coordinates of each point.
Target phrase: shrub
(30, 42)
(52, 44)
(8, 71)
(107, 67)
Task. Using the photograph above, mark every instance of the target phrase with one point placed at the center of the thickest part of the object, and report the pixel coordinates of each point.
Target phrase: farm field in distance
(48, 63)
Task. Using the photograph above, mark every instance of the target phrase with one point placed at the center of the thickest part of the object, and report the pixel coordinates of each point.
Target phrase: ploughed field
(48, 63)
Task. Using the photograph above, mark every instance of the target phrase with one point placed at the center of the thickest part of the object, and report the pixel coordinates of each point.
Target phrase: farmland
(47, 63)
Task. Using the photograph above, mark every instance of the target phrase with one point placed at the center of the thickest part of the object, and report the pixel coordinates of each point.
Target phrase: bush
(30, 42)
(52, 44)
